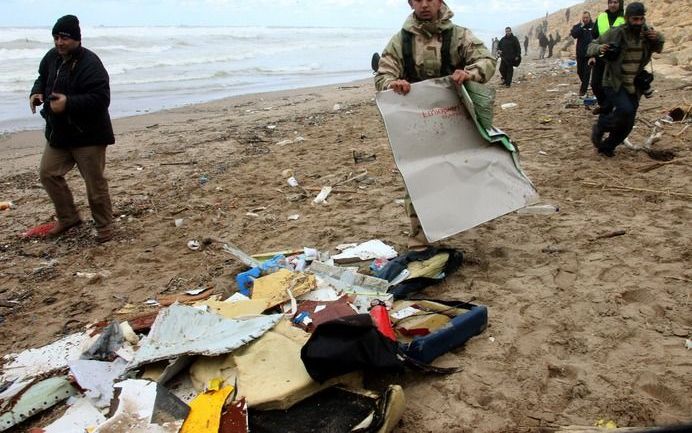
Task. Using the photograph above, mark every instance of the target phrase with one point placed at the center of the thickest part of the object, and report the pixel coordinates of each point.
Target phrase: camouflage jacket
(467, 50)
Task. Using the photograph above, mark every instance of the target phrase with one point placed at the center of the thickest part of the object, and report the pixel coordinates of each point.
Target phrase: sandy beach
(589, 308)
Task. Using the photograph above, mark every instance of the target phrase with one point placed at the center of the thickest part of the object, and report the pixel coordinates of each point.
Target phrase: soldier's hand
(592, 61)
(460, 75)
(401, 87)
(58, 102)
(34, 101)
(603, 48)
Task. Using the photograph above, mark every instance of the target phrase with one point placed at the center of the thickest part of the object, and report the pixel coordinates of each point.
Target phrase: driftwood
(662, 164)
(627, 188)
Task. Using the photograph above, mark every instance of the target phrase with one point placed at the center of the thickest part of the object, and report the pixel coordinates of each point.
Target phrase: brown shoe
(60, 228)
(104, 234)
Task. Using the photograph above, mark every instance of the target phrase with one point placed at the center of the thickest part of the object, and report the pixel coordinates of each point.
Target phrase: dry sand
(582, 327)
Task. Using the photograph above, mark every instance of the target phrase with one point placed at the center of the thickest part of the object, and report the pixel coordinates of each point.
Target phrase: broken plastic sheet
(24, 400)
(140, 402)
(181, 330)
(81, 416)
(205, 411)
(97, 378)
(46, 359)
(373, 249)
(458, 174)
(274, 288)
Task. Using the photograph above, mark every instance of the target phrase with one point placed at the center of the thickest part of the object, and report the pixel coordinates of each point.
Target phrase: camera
(612, 53)
(642, 81)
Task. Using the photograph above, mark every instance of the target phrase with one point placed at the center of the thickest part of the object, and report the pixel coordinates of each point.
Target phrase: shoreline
(24, 147)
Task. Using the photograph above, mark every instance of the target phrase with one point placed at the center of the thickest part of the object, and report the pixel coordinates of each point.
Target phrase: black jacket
(509, 45)
(583, 33)
(85, 121)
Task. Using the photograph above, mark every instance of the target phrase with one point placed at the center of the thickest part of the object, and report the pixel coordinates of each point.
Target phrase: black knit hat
(635, 9)
(68, 26)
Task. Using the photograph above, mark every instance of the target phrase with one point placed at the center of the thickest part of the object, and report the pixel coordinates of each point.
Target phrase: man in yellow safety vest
(612, 17)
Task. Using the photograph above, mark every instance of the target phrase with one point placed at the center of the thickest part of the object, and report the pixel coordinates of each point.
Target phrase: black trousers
(597, 81)
(619, 121)
(584, 71)
(506, 71)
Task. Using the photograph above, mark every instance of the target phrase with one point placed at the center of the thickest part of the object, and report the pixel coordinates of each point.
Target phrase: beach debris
(541, 152)
(234, 418)
(539, 209)
(44, 360)
(205, 411)
(107, 344)
(172, 336)
(336, 107)
(369, 250)
(271, 127)
(141, 405)
(5, 205)
(611, 234)
(292, 181)
(679, 114)
(39, 231)
(179, 222)
(509, 105)
(360, 157)
(194, 245)
(203, 180)
(96, 378)
(196, 292)
(293, 217)
(688, 344)
(282, 286)
(23, 399)
(81, 416)
(606, 424)
(322, 196)
(93, 277)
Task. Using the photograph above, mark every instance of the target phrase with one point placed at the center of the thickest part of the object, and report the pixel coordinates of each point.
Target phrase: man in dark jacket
(510, 53)
(583, 33)
(73, 87)
(542, 44)
(526, 45)
(626, 50)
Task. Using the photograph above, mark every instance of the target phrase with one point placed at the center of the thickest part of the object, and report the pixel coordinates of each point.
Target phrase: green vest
(604, 24)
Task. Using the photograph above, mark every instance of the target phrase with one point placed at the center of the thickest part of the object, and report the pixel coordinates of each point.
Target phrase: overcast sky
(486, 15)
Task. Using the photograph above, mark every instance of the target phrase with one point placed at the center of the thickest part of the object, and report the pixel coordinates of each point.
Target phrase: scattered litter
(369, 250)
(44, 360)
(234, 418)
(39, 231)
(508, 105)
(193, 245)
(688, 344)
(179, 222)
(322, 196)
(97, 379)
(336, 107)
(590, 101)
(292, 181)
(81, 416)
(5, 205)
(539, 209)
(172, 336)
(284, 142)
(203, 180)
(606, 424)
(93, 277)
(359, 157)
(197, 291)
(293, 217)
(271, 127)
(25, 399)
(205, 411)
(491, 339)
(540, 152)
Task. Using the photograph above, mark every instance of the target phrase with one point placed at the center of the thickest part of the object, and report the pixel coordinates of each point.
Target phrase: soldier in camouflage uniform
(431, 46)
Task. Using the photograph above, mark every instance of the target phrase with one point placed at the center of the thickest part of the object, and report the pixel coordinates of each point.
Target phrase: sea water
(154, 68)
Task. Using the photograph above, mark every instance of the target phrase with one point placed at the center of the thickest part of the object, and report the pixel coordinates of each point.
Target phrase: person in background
(583, 33)
(509, 50)
(551, 45)
(567, 15)
(495, 42)
(542, 45)
(612, 17)
(73, 87)
(526, 45)
(626, 50)
(415, 54)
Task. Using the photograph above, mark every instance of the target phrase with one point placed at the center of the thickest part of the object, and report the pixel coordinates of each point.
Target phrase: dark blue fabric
(619, 120)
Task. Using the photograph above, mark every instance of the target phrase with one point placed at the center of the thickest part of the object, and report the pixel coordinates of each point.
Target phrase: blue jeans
(618, 121)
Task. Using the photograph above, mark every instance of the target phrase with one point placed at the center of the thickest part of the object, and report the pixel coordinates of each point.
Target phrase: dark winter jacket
(511, 49)
(583, 33)
(84, 80)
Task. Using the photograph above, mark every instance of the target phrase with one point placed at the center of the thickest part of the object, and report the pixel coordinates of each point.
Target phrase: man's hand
(34, 101)
(459, 76)
(603, 48)
(401, 87)
(58, 102)
(651, 34)
(592, 61)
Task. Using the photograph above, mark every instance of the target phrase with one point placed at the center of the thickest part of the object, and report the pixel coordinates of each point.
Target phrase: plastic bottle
(539, 209)
(380, 316)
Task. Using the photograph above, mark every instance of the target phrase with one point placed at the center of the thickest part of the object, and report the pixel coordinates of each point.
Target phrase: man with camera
(626, 51)
(73, 87)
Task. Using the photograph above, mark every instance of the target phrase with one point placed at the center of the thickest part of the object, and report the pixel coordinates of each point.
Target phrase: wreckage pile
(285, 353)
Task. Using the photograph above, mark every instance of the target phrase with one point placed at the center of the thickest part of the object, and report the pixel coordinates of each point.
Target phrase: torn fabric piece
(181, 330)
